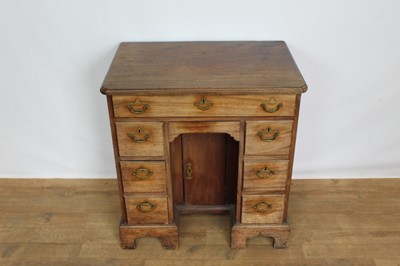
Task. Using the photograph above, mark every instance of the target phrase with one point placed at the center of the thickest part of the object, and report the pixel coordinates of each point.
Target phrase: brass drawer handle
(264, 172)
(268, 134)
(139, 135)
(263, 206)
(189, 171)
(203, 104)
(146, 206)
(138, 107)
(275, 107)
(142, 173)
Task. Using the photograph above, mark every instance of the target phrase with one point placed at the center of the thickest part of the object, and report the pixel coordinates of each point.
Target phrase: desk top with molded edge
(203, 67)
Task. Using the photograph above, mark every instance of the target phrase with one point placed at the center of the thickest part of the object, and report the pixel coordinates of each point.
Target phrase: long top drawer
(202, 106)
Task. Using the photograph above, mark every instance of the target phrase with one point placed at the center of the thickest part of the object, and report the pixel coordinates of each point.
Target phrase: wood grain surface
(178, 128)
(280, 145)
(206, 155)
(256, 211)
(75, 222)
(149, 177)
(218, 105)
(272, 179)
(203, 67)
(158, 214)
(152, 146)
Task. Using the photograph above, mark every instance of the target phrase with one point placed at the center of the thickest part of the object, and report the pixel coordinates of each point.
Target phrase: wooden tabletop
(203, 67)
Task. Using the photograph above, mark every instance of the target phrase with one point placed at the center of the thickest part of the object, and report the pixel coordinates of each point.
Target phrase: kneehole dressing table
(203, 127)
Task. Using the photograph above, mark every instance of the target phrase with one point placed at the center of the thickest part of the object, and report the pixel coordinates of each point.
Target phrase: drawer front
(268, 137)
(146, 210)
(203, 105)
(262, 209)
(140, 138)
(142, 177)
(265, 176)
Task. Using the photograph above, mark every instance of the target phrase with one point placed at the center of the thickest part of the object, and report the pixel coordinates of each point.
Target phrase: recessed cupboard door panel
(204, 168)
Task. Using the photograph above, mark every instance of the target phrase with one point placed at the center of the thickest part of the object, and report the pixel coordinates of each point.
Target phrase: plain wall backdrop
(55, 54)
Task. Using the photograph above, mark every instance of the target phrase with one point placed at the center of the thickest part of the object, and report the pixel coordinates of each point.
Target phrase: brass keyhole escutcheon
(189, 171)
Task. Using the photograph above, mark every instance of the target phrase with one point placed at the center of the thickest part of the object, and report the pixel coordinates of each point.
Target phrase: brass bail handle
(138, 106)
(139, 135)
(146, 206)
(268, 134)
(264, 172)
(263, 206)
(203, 104)
(189, 171)
(142, 173)
(271, 106)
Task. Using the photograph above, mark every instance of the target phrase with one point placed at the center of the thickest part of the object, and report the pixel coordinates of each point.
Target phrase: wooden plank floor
(75, 222)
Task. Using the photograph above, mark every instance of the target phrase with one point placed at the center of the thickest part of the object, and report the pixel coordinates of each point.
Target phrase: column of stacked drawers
(267, 168)
(144, 181)
(141, 164)
(267, 164)
(141, 153)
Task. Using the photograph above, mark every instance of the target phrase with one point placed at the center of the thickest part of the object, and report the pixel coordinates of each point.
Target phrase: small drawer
(268, 137)
(259, 209)
(143, 177)
(204, 105)
(140, 138)
(146, 209)
(265, 176)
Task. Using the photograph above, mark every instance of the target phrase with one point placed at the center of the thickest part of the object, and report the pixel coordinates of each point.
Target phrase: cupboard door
(203, 158)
